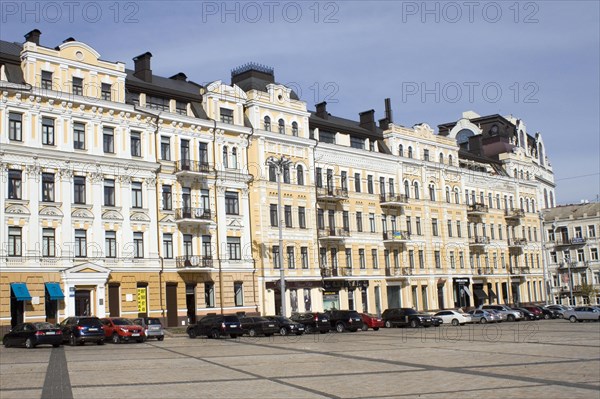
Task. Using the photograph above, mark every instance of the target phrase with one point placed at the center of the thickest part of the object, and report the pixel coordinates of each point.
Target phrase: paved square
(550, 359)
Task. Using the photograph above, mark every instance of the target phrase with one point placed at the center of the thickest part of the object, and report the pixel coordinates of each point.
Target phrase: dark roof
(10, 49)
(576, 211)
(10, 57)
(175, 88)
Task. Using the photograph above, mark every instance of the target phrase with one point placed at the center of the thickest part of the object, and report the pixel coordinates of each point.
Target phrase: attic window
(158, 103)
(327, 137)
(181, 108)
(226, 115)
(357, 142)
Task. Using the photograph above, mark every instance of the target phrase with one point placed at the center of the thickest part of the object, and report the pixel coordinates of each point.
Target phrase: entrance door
(114, 302)
(440, 294)
(17, 310)
(190, 302)
(378, 300)
(393, 294)
(277, 298)
(172, 305)
(83, 303)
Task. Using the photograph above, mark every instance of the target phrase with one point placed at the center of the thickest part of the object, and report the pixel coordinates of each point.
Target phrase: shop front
(462, 293)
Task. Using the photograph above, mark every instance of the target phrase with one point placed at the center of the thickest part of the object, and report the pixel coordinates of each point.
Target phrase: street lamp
(280, 164)
(545, 255)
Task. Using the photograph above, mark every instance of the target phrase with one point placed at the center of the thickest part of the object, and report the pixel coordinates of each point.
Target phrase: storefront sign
(328, 284)
(141, 299)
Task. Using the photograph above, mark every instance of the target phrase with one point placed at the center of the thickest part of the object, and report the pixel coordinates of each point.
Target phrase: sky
(536, 60)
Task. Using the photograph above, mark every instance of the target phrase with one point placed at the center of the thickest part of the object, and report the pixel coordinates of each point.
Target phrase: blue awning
(54, 291)
(21, 292)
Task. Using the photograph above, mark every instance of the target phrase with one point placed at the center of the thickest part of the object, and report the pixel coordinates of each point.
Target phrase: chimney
(180, 76)
(322, 110)
(33, 36)
(384, 124)
(142, 67)
(388, 110)
(367, 120)
(69, 39)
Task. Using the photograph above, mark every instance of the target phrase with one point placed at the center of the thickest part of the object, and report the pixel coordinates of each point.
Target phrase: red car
(371, 321)
(536, 311)
(119, 329)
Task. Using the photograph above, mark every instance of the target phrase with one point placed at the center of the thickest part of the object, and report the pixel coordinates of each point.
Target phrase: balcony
(393, 200)
(331, 194)
(192, 168)
(477, 210)
(479, 242)
(519, 270)
(575, 241)
(485, 271)
(514, 215)
(197, 216)
(333, 234)
(194, 262)
(574, 265)
(517, 243)
(395, 236)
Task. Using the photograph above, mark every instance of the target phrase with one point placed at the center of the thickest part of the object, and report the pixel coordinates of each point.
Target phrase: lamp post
(279, 164)
(545, 256)
(570, 281)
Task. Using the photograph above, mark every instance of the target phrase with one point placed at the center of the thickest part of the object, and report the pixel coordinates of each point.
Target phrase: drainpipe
(216, 211)
(254, 282)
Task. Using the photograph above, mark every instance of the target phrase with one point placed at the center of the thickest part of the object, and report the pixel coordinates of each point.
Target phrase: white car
(581, 313)
(453, 317)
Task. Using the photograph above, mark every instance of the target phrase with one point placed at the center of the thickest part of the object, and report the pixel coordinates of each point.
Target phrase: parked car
(581, 313)
(511, 314)
(549, 313)
(401, 317)
(254, 326)
(313, 321)
(371, 321)
(33, 334)
(216, 326)
(152, 327)
(527, 314)
(287, 326)
(483, 316)
(344, 320)
(559, 308)
(82, 329)
(119, 329)
(453, 317)
(535, 310)
(502, 316)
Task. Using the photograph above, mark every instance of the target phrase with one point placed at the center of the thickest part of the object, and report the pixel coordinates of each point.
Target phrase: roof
(575, 211)
(11, 49)
(10, 57)
(161, 85)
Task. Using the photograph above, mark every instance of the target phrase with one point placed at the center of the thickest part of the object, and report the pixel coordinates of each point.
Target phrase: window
(238, 292)
(181, 107)
(276, 257)
(165, 148)
(232, 204)
(344, 181)
(77, 86)
(136, 144)
(320, 219)
(374, 259)
(492, 232)
(410, 152)
(80, 244)
(291, 260)
(452, 261)
(15, 126)
(110, 244)
(136, 195)
(46, 80)
(441, 158)
(357, 142)
(591, 231)
(187, 246)
(448, 194)
(382, 186)
(168, 245)
(294, 128)
(432, 192)
(580, 255)
(47, 187)
(234, 158)
(138, 245)
(361, 259)
(267, 123)
(304, 257)
(157, 103)
(372, 222)
(449, 228)
(348, 253)
(272, 173)
(401, 150)
(327, 137)
(234, 248)
(108, 135)
(203, 153)
(105, 91)
(359, 226)
(79, 190)
(416, 189)
(287, 213)
(300, 175)
(499, 231)
(594, 254)
(319, 177)
(79, 136)
(408, 225)
(411, 258)
(206, 247)
(14, 184)
(281, 126)
(418, 224)
(458, 229)
(438, 259)
(225, 157)
(357, 182)
(47, 131)
(109, 192)
(302, 217)
(346, 220)
(461, 259)
(273, 214)
(370, 184)
(167, 198)
(286, 174)
(209, 295)
(434, 227)
(426, 155)
(421, 259)
(226, 115)
(14, 241)
(48, 243)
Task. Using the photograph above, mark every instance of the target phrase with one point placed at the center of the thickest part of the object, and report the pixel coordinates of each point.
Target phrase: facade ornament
(96, 177)
(33, 170)
(65, 174)
(150, 182)
(124, 179)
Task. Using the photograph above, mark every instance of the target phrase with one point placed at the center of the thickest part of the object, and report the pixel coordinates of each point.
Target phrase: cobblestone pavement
(549, 359)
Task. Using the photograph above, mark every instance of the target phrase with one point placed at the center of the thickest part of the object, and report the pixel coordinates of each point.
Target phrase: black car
(254, 326)
(527, 314)
(402, 317)
(216, 326)
(33, 334)
(313, 321)
(82, 329)
(287, 326)
(549, 313)
(344, 320)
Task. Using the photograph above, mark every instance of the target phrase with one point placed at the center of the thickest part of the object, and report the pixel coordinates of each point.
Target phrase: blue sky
(536, 60)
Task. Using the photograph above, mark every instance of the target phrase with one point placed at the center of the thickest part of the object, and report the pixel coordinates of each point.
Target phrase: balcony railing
(332, 194)
(479, 241)
(188, 166)
(517, 242)
(333, 234)
(393, 199)
(574, 264)
(568, 242)
(514, 214)
(396, 236)
(193, 214)
(194, 261)
(407, 271)
(485, 270)
(515, 270)
(477, 209)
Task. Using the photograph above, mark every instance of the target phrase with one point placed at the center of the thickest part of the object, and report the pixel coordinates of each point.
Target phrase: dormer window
(357, 142)
(181, 108)
(158, 103)
(327, 137)
(226, 115)
(78, 86)
(105, 92)
(46, 80)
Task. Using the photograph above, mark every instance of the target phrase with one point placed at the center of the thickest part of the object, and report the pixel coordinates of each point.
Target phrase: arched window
(527, 175)
(300, 175)
(225, 157)
(541, 153)
(521, 174)
(401, 150)
(281, 125)
(450, 160)
(448, 194)
(521, 201)
(294, 128)
(545, 198)
(527, 205)
(533, 205)
(267, 123)
(456, 196)
(432, 191)
(406, 189)
(551, 199)
(416, 189)
(516, 173)
(410, 155)
(272, 173)
(441, 158)
(522, 139)
(234, 159)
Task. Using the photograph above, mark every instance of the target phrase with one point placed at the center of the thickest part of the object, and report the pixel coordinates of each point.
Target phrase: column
(32, 236)
(151, 205)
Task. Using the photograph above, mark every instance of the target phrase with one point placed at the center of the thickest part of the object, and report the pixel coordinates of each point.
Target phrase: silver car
(152, 327)
(483, 316)
(581, 313)
(511, 314)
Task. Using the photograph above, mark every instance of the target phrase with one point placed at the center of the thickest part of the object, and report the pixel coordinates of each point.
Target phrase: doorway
(172, 318)
(83, 302)
(190, 302)
(114, 303)
(17, 310)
